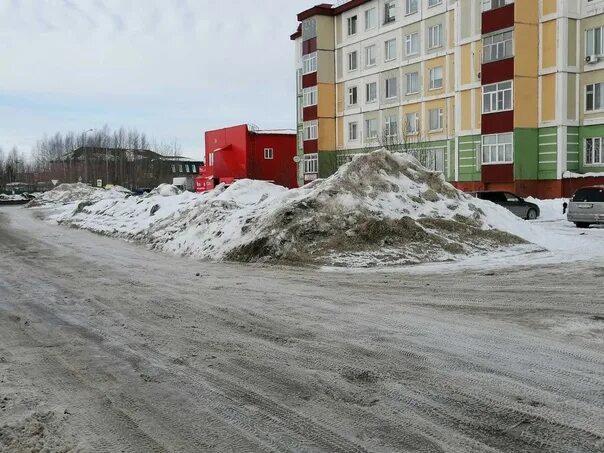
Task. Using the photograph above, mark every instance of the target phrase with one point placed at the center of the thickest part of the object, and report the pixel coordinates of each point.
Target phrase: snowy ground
(106, 346)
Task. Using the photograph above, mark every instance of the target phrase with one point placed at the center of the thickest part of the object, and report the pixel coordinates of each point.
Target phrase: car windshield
(591, 195)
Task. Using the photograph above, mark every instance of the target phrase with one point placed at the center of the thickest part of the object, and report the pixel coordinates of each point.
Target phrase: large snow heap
(78, 192)
(380, 209)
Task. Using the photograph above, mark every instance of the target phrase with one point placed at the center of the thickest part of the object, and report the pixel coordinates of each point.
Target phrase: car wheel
(582, 225)
(531, 214)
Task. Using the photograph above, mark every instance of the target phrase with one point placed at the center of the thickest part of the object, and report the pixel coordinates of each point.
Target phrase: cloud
(173, 68)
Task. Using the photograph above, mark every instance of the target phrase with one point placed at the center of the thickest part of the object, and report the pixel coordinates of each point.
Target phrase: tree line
(15, 165)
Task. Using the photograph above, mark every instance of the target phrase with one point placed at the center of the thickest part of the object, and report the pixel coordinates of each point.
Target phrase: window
(370, 56)
(497, 148)
(436, 119)
(593, 97)
(180, 170)
(412, 44)
(371, 128)
(498, 47)
(389, 12)
(352, 25)
(371, 92)
(589, 195)
(594, 153)
(593, 41)
(391, 88)
(391, 126)
(194, 168)
(309, 63)
(353, 131)
(311, 163)
(211, 159)
(412, 123)
(497, 97)
(353, 61)
(412, 82)
(187, 168)
(432, 3)
(390, 50)
(435, 38)
(309, 96)
(173, 168)
(436, 78)
(370, 19)
(488, 5)
(411, 6)
(311, 130)
(268, 153)
(352, 96)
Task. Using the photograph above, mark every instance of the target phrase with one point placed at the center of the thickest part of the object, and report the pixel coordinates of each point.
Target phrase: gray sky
(170, 68)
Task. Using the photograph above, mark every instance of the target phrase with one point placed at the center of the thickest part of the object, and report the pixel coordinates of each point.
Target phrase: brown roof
(326, 9)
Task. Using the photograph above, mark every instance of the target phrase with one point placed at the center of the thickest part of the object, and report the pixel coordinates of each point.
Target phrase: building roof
(326, 9)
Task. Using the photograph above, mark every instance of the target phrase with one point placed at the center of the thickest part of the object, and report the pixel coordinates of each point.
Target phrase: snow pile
(550, 209)
(78, 192)
(380, 209)
(4, 197)
(165, 190)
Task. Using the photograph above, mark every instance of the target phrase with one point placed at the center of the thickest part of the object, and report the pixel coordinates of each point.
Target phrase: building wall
(548, 121)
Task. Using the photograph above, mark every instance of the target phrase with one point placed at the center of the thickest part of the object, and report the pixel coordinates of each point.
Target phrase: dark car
(512, 202)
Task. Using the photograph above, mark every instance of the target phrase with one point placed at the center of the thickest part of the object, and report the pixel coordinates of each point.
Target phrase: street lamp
(85, 154)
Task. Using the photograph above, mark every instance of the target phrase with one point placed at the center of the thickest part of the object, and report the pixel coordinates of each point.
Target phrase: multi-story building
(496, 94)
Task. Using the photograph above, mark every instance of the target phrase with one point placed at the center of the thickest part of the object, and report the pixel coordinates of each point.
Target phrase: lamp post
(85, 154)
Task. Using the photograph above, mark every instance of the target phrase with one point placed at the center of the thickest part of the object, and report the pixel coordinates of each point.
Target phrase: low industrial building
(241, 152)
(135, 169)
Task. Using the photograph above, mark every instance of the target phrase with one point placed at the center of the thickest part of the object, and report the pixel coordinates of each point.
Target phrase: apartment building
(496, 94)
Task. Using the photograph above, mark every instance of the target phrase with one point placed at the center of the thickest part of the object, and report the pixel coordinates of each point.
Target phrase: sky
(170, 68)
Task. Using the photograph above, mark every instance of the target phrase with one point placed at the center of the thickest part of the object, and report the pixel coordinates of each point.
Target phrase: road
(107, 346)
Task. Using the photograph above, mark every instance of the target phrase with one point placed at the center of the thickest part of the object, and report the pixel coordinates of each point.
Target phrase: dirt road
(105, 346)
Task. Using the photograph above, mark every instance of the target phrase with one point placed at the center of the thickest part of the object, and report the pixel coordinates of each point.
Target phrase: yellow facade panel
(549, 7)
(526, 11)
(526, 102)
(340, 98)
(466, 64)
(327, 134)
(478, 108)
(526, 61)
(549, 43)
(466, 110)
(327, 100)
(548, 97)
(340, 135)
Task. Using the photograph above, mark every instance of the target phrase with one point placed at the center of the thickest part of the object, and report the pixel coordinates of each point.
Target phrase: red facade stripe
(498, 173)
(498, 123)
(497, 71)
(311, 146)
(309, 46)
(310, 113)
(498, 19)
(309, 80)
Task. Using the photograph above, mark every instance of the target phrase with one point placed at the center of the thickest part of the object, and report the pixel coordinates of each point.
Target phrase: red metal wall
(230, 162)
(239, 153)
(281, 169)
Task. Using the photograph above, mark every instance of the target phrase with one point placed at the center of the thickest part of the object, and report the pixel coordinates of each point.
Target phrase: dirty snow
(380, 209)
(78, 192)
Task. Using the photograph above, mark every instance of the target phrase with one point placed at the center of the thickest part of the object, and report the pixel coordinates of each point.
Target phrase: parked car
(586, 207)
(512, 202)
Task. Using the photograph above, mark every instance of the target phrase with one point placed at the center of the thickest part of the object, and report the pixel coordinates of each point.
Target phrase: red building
(240, 152)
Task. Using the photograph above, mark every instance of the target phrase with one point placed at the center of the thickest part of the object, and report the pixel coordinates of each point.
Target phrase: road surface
(106, 346)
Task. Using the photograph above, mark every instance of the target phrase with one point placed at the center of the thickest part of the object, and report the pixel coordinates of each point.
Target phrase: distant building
(130, 168)
(241, 152)
(496, 94)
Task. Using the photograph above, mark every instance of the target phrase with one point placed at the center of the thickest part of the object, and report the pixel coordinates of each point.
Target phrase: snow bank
(550, 209)
(380, 209)
(4, 197)
(165, 190)
(78, 192)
